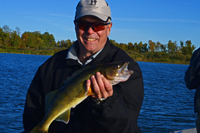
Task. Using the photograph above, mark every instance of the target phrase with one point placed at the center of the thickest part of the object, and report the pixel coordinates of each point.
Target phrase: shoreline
(137, 60)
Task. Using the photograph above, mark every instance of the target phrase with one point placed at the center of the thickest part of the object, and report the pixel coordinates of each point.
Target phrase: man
(192, 80)
(118, 109)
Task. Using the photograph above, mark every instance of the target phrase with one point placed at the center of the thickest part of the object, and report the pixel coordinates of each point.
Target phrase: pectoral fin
(89, 91)
(64, 117)
(48, 99)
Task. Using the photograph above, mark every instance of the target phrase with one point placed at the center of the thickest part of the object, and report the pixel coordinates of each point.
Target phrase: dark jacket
(192, 78)
(118, 114)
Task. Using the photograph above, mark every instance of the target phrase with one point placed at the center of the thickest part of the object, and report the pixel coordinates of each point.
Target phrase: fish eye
(117, 66)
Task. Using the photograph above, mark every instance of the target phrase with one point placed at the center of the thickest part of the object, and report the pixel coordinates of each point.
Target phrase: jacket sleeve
(34, 109)
(119, 113)
(192, 74)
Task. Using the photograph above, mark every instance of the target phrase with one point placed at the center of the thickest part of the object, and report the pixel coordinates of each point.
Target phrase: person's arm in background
(192, 75)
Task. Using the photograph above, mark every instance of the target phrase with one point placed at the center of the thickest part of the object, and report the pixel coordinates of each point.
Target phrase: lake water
(167, 106)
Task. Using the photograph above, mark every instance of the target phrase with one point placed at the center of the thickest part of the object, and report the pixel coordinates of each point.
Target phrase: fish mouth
(123, 71)
(122, 75)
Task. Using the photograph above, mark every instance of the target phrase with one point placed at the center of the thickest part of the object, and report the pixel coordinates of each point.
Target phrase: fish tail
(37, 129)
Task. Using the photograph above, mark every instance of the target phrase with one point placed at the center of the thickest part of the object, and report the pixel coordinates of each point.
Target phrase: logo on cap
(93, 2)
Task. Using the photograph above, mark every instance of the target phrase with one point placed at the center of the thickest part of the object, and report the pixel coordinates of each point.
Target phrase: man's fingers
(101, 86)
(107, 85)
(95, 87)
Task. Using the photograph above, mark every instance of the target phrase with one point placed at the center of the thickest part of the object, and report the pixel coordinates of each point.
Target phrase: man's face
(91, 41)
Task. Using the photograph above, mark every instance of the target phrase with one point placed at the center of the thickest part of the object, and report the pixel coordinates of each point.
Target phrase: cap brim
(95, 14)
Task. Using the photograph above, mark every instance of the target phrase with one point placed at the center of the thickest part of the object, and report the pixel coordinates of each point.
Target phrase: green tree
(163, 48)
(145, 47)
(158, 46)
(172, 47)
(152, 46)
(123, 46)
(140, 47)
(130, 46)
(49, 39)
(62, 43)
(68, 43)
(5, 37)
(1, 36)
(38, 41)
(187, 48)
(25, 39)
(58, 44)
(135, 46)
(15, 40)
(31, 40)
(114, 42)
(6, 29)
(181, 43)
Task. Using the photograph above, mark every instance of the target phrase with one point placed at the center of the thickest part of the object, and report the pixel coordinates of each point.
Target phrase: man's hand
(100, 85)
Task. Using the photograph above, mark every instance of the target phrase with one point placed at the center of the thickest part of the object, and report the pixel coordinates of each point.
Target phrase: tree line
(11, 38)
(152, 50)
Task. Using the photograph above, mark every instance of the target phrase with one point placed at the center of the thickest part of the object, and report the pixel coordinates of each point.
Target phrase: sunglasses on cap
(96, 26)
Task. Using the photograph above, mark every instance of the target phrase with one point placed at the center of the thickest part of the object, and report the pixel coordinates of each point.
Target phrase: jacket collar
(72, 53)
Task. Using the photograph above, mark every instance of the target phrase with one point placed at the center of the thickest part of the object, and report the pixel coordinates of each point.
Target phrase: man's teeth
(91, 39)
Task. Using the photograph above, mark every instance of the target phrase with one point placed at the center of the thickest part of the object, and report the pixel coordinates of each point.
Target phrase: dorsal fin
(76, 73)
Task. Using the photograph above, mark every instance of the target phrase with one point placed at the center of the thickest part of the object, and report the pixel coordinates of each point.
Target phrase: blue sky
(133, 20)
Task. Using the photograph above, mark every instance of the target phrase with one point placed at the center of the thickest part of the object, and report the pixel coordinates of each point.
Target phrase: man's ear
(109, 28)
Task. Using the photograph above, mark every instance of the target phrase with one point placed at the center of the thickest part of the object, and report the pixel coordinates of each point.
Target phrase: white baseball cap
(97, 8)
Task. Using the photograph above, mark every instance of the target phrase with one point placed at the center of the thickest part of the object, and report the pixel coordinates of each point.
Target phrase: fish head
(117, 72)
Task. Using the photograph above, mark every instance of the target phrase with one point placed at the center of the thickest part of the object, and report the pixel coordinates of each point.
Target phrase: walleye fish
(58, 103)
